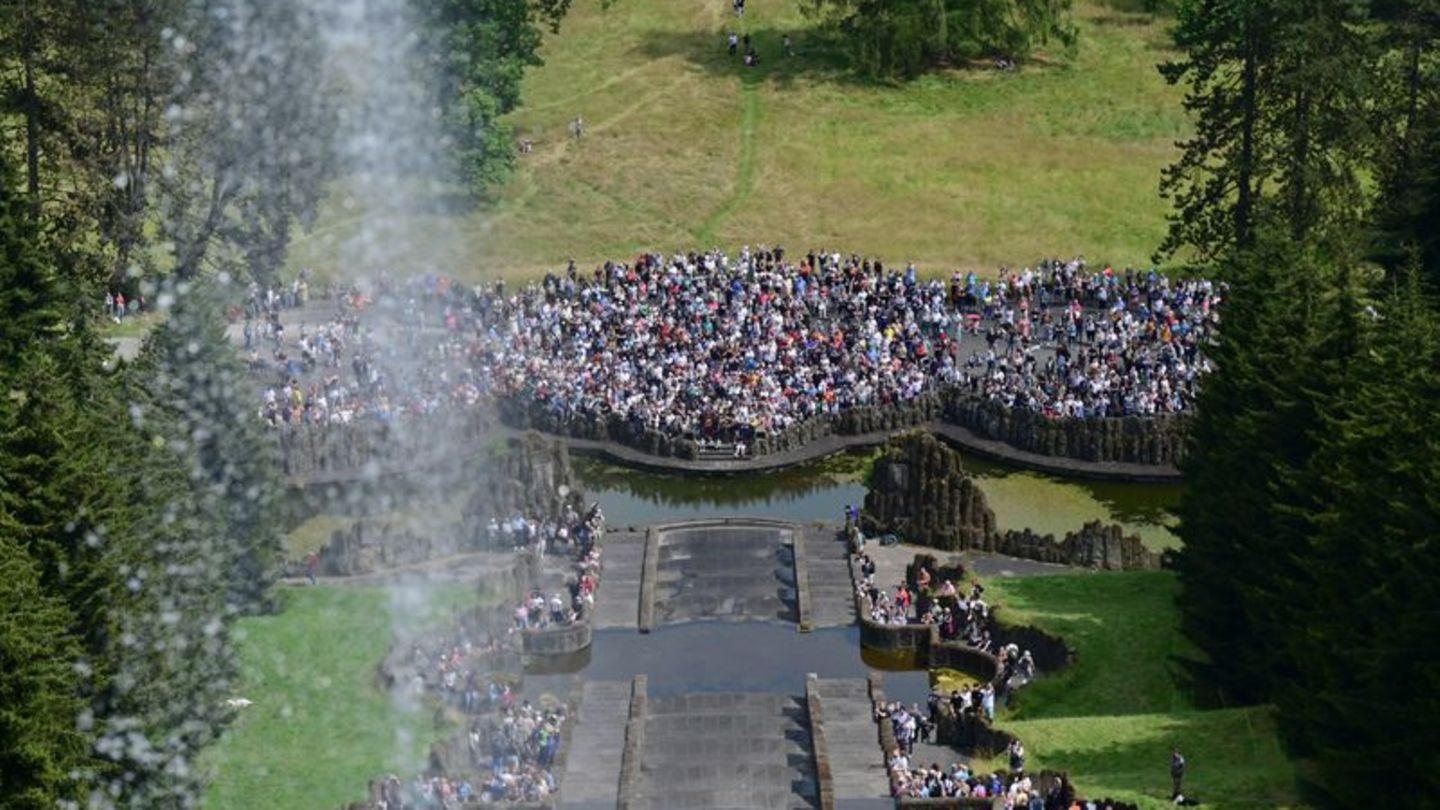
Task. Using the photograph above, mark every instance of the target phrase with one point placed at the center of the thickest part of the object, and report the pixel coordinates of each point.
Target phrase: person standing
(1177, 771)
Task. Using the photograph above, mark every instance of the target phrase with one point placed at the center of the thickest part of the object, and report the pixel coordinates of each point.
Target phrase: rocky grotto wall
(919, 491)
(531, 476)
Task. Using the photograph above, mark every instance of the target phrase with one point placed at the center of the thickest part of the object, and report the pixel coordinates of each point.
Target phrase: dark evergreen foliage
(903, 38)
(1309, 574)
(39, 689)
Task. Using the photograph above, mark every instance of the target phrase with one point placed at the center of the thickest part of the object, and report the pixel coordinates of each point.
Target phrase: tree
(1363, 702)
(903, 38)
(1289, 337)
(1279, 96)
(29, 288)
(479, 51)
(1408, 105)
(191, 371)
(249, 138)
(40, 700)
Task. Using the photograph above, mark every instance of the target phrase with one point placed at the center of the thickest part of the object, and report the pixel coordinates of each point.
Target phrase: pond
(820, 490)
(720, 656)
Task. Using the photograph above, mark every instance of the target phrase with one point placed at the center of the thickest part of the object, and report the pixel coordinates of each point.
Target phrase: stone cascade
(591, 776)
(726, 751)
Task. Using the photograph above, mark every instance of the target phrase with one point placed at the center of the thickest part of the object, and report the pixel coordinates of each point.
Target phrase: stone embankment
(1121, 448)
(924, 646)
(1156, 441)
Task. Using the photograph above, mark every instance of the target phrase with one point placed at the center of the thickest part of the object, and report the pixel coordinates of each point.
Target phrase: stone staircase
(727, 752)
(856, 762)
(832, 596)
(617, 601)
(592, 769)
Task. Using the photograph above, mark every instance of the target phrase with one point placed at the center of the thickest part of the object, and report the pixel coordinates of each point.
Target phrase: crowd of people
(716, 347)
(454, 667)
(511, 755)
(572, 535)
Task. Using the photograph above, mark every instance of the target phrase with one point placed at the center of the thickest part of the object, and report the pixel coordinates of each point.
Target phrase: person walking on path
(1177, 771)
(312, 566)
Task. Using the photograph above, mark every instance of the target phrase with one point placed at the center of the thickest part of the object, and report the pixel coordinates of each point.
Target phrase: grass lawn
(686, 147)
(133, 326)
(1112, 717)
(320, 727)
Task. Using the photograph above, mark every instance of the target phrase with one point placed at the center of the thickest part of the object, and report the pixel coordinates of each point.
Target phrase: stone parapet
(632, 756)
(819, 745)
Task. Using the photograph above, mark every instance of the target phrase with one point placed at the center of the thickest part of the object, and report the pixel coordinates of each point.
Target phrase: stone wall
(1156, 440)
(310, 453)
(1095, 545)
(532, 476)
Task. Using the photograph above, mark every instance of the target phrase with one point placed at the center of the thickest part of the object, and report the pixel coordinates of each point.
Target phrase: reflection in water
(820, 490)
(723, 657)
(815, 491)
(1051, 505)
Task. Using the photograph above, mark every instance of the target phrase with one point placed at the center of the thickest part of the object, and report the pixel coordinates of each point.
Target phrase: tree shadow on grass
(814, 55)
(1233, 757)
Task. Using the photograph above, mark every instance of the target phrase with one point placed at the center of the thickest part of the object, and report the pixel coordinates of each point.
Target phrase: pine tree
(192, 371)
(1280, 98)
(1363, 704)
(1279, 359)
(40, 700)
(1408, 159)
(29, 287)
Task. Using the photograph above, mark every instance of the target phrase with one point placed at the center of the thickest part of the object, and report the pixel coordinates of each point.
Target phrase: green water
(820, 490)
(1052, 505)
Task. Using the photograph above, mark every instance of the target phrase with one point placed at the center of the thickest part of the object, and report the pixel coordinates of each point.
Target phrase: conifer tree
(1363, 699)
(1279, 95)
(40, 699)
(193, 371)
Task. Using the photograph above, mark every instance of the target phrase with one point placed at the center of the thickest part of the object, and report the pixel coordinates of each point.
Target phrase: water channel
(820, 490)
(772, 657)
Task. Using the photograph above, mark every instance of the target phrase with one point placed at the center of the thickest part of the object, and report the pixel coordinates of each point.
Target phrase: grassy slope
(685, 147)
(1112, 718)
(320, 727)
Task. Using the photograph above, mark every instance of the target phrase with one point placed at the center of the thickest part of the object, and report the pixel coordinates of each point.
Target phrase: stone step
(592, 768)
(728, 799)
(841, 688)
(856, 762)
